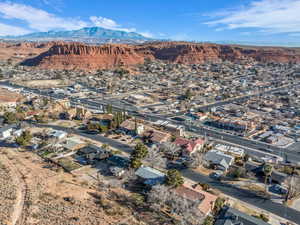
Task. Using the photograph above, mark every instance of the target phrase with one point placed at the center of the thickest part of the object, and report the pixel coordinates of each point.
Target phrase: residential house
(118, 160)
(117, 171)
(58, 134)
(31, 114)
(219, 159)
(280, 178)
(73, 144)
(231, 150)
(150, 176)
(196, 194)
(92, 152)
(231, 216)
(131, 127)
(157, 137)
(189, 146)
(17, 131)
(68, 114)
(6, 132)
(176, 130)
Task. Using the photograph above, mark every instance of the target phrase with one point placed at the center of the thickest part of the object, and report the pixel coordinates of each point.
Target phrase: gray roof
(218, 157)
(224, 164)
(3, 129)
(231, 216)
(149, 173)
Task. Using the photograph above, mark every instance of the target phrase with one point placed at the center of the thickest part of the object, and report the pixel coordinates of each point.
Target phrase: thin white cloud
(109, 24)
(147, 34)
(272, 16)
(11, 30)
(38, 19)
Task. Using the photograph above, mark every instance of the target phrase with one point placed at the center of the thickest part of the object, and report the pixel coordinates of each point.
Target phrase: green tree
(237, 173)
(263, 217)
(174, 178)
(140, 151)
(188, 94)
(124, 115)
(135, 125)
(138, 154)
(10, 117)
(209, 220)
(19, 109)
(246, 157)
(24, 138)
(105, 146)
(135, 163)
(93, 126)
(103, 128)
(109, 109)
(204, 186)
(267, 169)
(39, 118)
(219, 204)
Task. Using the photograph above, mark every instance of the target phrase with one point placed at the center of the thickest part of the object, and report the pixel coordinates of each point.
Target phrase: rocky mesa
(87, 57)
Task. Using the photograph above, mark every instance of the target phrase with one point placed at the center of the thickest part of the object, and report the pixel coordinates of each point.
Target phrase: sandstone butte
(63, 55)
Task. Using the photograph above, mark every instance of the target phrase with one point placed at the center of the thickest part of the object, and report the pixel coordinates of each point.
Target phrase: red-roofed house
(189, 146)
(207, 200)
(157, 137)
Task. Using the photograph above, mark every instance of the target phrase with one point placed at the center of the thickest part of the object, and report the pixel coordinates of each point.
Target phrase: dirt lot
(55, 197)
(44, 83)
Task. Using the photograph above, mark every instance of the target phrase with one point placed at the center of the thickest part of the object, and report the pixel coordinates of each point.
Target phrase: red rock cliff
(81, 56)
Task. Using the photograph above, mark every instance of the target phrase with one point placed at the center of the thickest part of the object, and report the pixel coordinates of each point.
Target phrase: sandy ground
(8, 192)
(55, 197)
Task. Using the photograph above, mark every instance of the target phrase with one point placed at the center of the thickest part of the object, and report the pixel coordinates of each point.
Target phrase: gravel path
(8, 193)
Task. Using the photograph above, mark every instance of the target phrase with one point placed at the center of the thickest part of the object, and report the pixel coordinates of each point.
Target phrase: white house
(6, 132)
(58, 134)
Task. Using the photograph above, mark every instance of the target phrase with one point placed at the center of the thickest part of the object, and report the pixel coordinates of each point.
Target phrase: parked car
(216, 175)
(92, 132)
(176, 165)
(278, 189)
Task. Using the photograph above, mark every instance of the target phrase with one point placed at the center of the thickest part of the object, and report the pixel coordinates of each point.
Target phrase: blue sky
(199, 20)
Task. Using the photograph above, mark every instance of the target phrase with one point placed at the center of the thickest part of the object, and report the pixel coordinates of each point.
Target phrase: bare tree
(171, 149)
(293, 187)
(155, 159)
(161, 196)
(158, 196)
(196, 159)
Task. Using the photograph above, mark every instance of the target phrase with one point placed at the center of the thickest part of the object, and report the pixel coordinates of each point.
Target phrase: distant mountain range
(87, 34)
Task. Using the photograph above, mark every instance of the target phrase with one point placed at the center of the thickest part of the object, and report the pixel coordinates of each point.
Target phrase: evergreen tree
(10, 117)
(174, 178)
(24, 138)
(135, 125)
(138, 154)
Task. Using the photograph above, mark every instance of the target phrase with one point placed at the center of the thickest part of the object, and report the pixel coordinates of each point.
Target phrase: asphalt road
(230, 190)
(99, 138)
